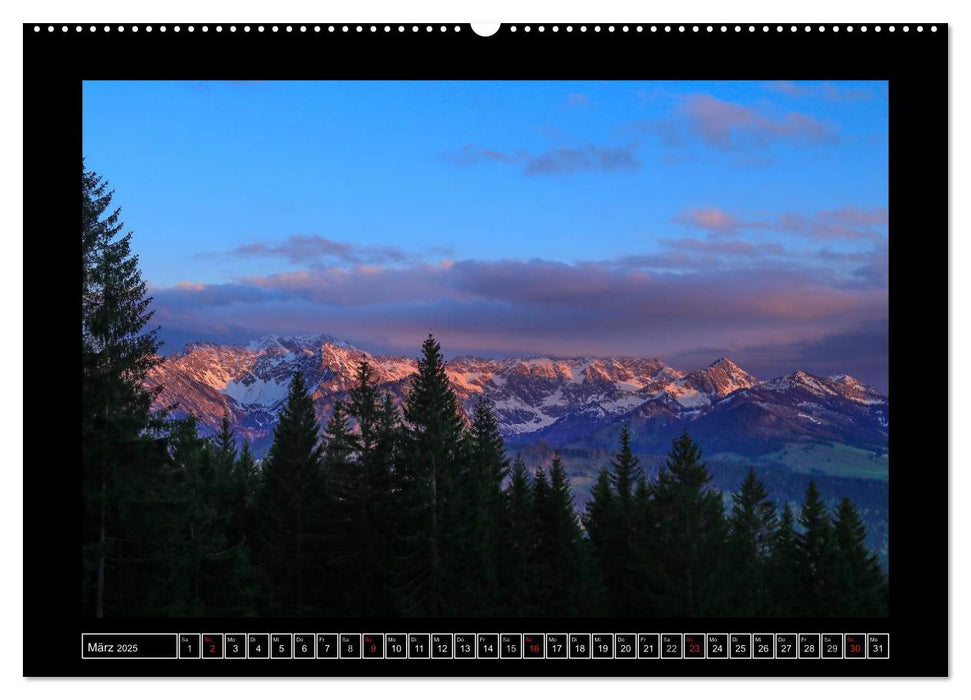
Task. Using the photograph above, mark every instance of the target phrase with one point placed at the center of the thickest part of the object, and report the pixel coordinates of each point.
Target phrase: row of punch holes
(345, 28)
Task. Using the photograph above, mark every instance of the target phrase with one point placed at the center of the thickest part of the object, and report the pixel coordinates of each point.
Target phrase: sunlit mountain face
(561, 401)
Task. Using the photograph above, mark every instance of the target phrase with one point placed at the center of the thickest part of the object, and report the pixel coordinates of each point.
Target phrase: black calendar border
(914, 62)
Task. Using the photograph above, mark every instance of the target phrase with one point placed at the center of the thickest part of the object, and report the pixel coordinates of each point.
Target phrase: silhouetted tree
(860, 588)
(481, 591)
(291, 479)
(559, 576)
(517, 570)
(616, 522)
(368, 489)
(815, 555)
(752, 527)
(690, 535)
(434, 448)
(119, 465)
(783, 578)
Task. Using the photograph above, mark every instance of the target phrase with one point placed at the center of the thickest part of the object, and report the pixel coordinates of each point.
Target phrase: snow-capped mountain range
(564, 401)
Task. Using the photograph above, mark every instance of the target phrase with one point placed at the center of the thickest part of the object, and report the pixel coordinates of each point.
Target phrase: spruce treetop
(626, 471)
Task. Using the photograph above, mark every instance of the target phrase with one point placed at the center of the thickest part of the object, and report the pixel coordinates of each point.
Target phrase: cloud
(848, 223)
(852, 216)
(314, 248)
(668, 260)
(190, 286)
(576, 99)
(359, 286)
(787, 87)
(711, 219)
(723, 247)
(796, 292)
(826, 91)
(867, 269)
(728, 125)
(555, 161)
(823, 226)
(592, 158)
(669, 132)
(539, 305)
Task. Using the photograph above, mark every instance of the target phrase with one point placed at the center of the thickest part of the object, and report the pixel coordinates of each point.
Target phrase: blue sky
(670, 219)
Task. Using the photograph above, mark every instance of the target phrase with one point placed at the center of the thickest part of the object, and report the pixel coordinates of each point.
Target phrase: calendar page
(536, 349)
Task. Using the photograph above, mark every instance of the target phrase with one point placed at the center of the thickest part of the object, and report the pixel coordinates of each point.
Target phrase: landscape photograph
(472, 349)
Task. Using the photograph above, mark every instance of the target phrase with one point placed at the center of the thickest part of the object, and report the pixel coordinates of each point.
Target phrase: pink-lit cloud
(728, 125)
(847, 223)
(711, 219)
(512, 303)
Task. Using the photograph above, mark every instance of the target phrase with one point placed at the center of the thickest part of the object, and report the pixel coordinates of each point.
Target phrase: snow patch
(691, 398)
(623, 404)
(554, 400)
(259, 392)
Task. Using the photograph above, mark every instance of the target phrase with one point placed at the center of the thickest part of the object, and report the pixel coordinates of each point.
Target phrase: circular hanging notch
(485, 28)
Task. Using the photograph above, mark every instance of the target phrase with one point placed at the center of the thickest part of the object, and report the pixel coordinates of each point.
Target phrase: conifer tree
(558, 572)
(783, 580)
(815, 554)
(752, 528)
(224, 465)
(434, 447)
(860, 588)
(118, 349)
(210, 567)
(245, 522)
(599, 517)
(538, 597)
(246, 487)
(643, 564)
(225, 445)
(691, 534)
(340, 511)
(372, 491)
(395, 518)
(625, 474)
(388, 439)
(384, 521)
(616, 539)
(185, 549)
(363, 405)
(519, 542)
(291, 482)
(340, 443)
(481, 492)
